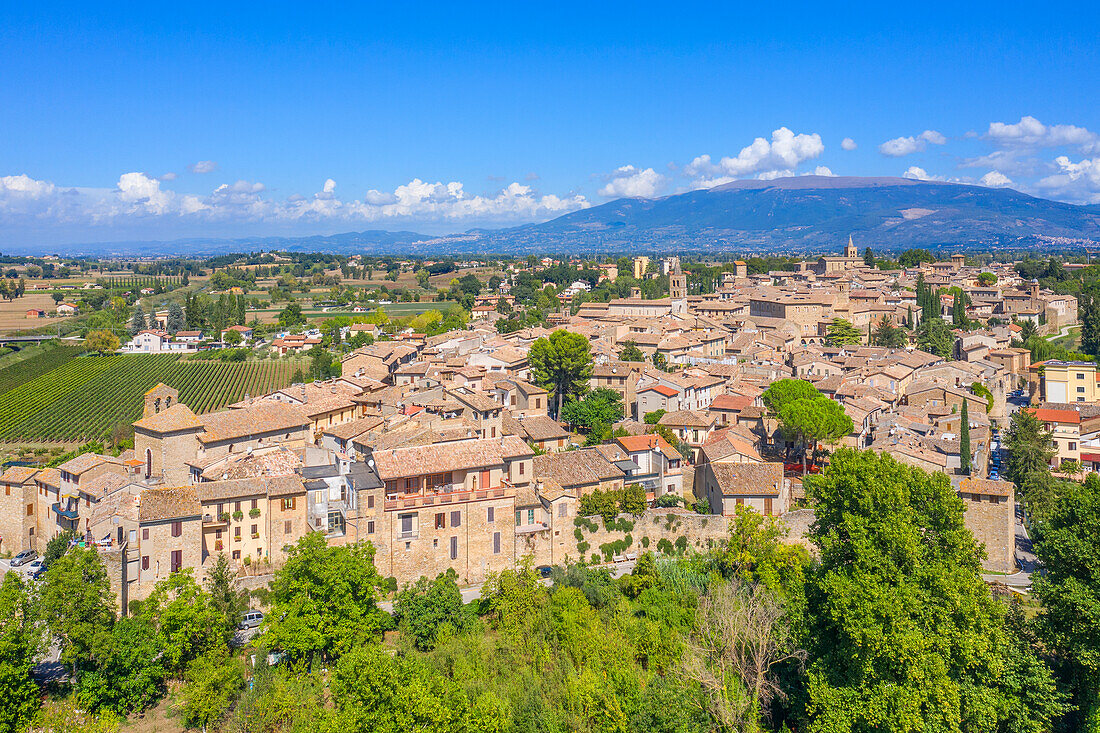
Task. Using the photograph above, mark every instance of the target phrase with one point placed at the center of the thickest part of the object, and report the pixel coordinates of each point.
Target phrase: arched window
(148, 463)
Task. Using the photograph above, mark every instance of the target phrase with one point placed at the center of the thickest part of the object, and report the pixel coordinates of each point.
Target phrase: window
(519, 517)
(217, 534)
(236, 506)
(177, 560)
(370, 527)
(221, 509)
(454, 548)
(496, 543)
(236, 554)
(133, 535)
(145, 533)
(456, 519)
(177, 528)
(490, 514)
(530, 516)
(1080, 376)
(407, 524)
(370, 502)
(290, 502)
(286, 527)
(440, 521)
(237, 532)
(30, 509)
(144, 562)
(522, 467)
(254, 505)
(1072, 445)
(563, 510)
(255, 530)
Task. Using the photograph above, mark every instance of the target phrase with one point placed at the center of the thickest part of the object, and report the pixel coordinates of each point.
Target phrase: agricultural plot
(17, 369)
(88, 397)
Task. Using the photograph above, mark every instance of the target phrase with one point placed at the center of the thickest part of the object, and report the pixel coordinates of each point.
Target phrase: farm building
(36, 313)
(67, 309)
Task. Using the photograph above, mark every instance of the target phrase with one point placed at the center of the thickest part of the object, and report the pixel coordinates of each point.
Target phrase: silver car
(250, 620)
(23, 558)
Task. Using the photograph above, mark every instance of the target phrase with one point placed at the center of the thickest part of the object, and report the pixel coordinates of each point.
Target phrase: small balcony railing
(414, 501)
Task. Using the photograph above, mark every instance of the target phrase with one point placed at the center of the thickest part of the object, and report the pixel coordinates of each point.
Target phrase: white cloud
(1031, 133)
(767, 159)
(169, 176)
(901, 146)
(995, 179)
(138, 197)
(848, 144)
(631, 182)
(204, 166)
(917, 174)
(1078, 182)
(822, 170)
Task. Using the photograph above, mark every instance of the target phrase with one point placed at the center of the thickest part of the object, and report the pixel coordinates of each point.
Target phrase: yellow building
(641, 264)
(1066, 381)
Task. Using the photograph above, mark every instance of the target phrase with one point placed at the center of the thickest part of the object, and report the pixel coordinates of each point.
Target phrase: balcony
(414, 501)
(213, 520)
(532, 528)
(69, 514)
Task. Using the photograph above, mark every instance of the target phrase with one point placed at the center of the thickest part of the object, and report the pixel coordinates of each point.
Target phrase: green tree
(964, 440)
(935, 337)
(1068, 546)
(813, 420)
(868, 257)
(889, 335)
(126, 673)
(232, 338)
(756, 553)
(428, 609)
(914, 257)
(77, 602)
(778, 394)
(20, 643)
(57, 546)
(841, 332)
(325, 601)
(229, 602)
(291, 315)
(137, 320)
(377, 693)
(903, 634)
(1028, 329)
(599, 407)
(101, 342)
(631, 352)
(211, 684)
(561, 364)
(1030, 447)
(176, 320)
(186, 621)
(1089, 315)
(985, 279)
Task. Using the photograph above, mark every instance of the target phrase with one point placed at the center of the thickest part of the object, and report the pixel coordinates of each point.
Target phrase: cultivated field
(87, 397)
(13, 313)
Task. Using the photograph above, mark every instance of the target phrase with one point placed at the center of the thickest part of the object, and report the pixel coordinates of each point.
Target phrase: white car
(250, 620)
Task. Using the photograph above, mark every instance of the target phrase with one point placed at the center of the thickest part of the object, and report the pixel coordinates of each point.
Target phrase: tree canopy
(562, 364)
(841, 332)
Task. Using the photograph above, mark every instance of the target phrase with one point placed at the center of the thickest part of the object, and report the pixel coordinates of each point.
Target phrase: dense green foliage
(562, 364)
(841, 332)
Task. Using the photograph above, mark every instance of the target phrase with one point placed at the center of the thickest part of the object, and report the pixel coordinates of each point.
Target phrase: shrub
(238, 515)
(681, 544)
(668, 500)
(254, 512)
(664, 546)
(578, 534)
(595, 559)
(582, 547)
(645, 541)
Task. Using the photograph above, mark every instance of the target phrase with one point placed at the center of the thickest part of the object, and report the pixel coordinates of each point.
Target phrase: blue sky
(133, 121)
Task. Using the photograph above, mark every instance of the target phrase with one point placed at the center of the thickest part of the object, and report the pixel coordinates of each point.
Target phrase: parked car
(544, 571)
(23, 558)
(250, 620)
(34, 569)
(994, 476)
(797, 468)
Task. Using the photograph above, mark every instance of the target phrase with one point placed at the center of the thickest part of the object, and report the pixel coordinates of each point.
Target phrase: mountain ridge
(792, 214)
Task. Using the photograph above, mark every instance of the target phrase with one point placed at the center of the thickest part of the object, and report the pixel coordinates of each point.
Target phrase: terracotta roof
(986, 487)
(576, 468)
(85, 462)
(687, 418)
(660, 389)
(177, 502)
(211, 491)
(175, 418)
(18, 474)
(265, 416)
(542, 427)
(1062, 416)
(443, 457)
(733, 402)
(647, 442)
(748, 479)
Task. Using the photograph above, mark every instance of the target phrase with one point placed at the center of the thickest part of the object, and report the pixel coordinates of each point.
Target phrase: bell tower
(850, 251)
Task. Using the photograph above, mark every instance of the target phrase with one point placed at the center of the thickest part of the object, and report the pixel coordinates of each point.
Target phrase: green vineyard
(87, 397)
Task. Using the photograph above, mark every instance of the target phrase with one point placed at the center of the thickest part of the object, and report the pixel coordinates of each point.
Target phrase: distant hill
(797, 214)
(816, 213)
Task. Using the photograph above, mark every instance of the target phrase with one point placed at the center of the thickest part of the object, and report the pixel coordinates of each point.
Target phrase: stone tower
(160, 398)
(850, 250)
(677, 287)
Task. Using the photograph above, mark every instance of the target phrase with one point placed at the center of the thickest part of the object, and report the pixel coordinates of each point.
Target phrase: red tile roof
(661, 389)
(1045, 414)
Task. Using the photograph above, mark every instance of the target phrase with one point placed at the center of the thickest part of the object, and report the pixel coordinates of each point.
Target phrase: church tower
(677, 287)
(850, 251)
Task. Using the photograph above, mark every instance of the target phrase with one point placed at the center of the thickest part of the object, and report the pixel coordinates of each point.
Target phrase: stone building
(991, 518)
